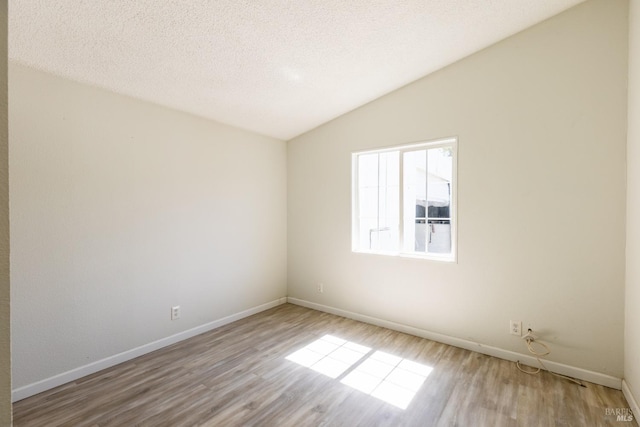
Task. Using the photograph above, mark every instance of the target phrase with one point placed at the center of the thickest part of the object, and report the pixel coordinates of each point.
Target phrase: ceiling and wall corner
(278, 68)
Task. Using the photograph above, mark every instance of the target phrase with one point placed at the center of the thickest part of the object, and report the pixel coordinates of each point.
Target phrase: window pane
(440, 167)
(368, 200)
(378, 201)
(389, 201)
(368, 170)
(366, 235)
(439, 235)
(414, 200)
(368, 203)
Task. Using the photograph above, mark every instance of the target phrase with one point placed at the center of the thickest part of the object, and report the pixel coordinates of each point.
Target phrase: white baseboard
(631, 400)
(559, 368)
(82, 371)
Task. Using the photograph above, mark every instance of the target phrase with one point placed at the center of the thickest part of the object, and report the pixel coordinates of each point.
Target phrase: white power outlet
(320, 288)
(515, 327)
(175, 312)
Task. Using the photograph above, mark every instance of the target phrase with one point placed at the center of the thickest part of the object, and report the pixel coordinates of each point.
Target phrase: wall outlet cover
(515, 327)
(175, 312)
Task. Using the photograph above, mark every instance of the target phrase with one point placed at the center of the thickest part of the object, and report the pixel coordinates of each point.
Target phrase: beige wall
(632, 299)
(121, 209)
(5, 342)
(541, 122)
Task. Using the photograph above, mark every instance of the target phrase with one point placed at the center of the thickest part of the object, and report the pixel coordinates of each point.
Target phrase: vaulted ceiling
(276, 67)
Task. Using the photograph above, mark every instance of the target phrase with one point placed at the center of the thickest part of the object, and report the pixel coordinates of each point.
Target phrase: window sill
(428, 257)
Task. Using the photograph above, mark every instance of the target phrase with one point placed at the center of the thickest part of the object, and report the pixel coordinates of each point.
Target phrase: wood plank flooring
(238, 375)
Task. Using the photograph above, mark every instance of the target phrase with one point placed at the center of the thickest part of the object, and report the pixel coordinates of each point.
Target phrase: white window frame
(451, 142)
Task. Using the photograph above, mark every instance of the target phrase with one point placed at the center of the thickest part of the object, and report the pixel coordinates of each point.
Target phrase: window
(404, 200)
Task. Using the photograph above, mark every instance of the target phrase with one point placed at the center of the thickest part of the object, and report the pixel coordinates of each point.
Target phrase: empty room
(320, 213)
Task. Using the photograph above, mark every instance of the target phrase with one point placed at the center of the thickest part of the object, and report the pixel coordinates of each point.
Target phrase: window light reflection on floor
(382, 375)
(329, 355)
(387, 377)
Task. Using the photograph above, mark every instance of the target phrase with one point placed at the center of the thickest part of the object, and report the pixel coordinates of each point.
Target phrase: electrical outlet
(515, 327)
(175, 312)
(320, 288)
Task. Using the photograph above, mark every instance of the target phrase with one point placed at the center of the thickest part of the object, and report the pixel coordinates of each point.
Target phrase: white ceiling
(276, 67)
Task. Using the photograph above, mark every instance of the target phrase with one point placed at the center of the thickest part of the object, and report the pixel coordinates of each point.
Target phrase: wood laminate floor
(239, 375)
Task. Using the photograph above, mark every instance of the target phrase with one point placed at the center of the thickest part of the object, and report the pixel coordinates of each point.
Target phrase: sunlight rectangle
(382, 375)
(329, 355)
(362, 381)
(406, 379)
(330, 367)
(389, 378)
(416, 367)
(376, 368)
(346, 355)
(393, 394)
(305, 357)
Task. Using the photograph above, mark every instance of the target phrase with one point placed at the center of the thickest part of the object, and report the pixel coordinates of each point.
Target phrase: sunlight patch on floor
(330, 355)
(382, 375)
(387, 377)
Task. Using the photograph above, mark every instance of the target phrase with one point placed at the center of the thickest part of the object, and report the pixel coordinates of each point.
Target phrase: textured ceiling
(276, 67)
